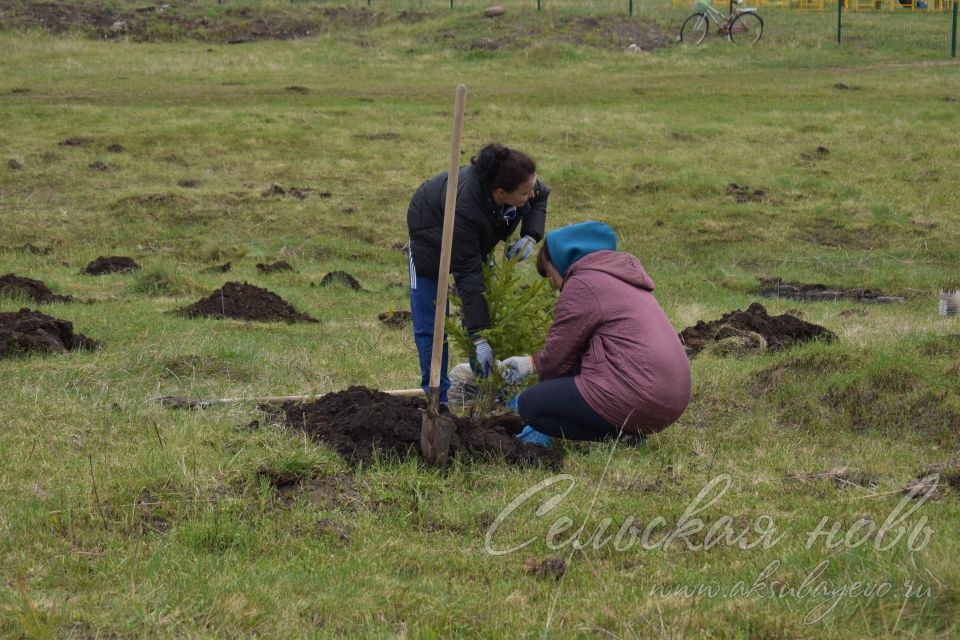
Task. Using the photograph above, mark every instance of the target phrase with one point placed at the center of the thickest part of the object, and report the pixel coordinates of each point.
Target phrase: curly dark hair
(501, 167)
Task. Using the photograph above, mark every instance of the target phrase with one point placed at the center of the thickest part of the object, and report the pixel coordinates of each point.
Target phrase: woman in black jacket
(496, 193)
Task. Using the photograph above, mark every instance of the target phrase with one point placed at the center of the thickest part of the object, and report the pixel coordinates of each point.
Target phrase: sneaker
(529, 435)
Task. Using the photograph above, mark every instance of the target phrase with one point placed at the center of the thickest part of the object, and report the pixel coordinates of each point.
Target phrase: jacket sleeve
(466, 265)
(535, 220)
(574, 320)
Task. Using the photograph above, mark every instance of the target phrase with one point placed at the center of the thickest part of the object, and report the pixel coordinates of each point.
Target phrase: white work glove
(516, 368)
(484, 356)
(522, 248)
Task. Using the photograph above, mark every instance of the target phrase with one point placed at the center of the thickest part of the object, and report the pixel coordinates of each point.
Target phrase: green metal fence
(927, 26)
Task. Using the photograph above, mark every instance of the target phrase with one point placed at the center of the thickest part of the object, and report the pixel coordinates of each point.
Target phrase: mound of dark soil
(779, 332)
(273, 267)
(341, 277)
(25, 331)
(12, 284)
(112, 264)
(245, 301)
(396, 319)
(362, 423)
(777, 288)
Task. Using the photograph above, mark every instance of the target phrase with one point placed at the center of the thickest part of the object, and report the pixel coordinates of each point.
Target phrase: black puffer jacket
(477, 229)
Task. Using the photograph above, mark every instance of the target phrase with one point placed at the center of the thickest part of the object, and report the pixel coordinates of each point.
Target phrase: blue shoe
(529, 435)
(512, 403)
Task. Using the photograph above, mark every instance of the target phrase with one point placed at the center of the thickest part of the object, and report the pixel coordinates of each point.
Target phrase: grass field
(120, 518)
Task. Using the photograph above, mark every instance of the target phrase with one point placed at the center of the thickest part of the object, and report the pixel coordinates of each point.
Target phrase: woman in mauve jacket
(612, 362)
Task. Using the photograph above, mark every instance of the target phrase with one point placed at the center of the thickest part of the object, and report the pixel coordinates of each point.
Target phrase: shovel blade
(436, 434)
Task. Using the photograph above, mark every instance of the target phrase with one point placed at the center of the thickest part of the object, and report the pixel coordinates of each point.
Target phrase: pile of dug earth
(362, 424)
(750, 331)
(14, 285)
(244, 301)
(26, 331)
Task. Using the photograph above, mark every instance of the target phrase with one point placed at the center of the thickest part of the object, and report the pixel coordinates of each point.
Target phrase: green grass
(131, 520)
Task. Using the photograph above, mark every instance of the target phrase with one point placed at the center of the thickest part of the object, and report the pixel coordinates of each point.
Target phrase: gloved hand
(484, 356)
(529, 435)
(522, 248)
(516, 368)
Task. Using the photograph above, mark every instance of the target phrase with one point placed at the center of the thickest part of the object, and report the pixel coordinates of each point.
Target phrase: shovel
(437, 431)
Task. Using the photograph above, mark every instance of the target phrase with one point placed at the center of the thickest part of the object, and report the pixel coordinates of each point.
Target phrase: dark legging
(556, 408)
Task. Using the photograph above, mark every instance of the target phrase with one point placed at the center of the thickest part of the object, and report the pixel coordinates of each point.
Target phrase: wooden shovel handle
(449, 211)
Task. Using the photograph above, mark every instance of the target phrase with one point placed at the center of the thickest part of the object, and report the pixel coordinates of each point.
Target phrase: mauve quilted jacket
(633, 369)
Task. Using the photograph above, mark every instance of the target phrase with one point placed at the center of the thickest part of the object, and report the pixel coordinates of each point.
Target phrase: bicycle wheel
(746, 27)
(694, 28)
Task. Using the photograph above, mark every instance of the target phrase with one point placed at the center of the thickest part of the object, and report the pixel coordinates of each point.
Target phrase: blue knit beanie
(568, 244)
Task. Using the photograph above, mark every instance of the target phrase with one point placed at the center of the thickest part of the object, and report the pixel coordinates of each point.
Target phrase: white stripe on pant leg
(412, 269)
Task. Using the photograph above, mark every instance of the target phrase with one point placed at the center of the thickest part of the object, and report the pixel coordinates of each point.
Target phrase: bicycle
(740, 25)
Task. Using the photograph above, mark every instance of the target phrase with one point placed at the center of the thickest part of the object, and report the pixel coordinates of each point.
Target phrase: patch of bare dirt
(14, 165)
(12, 284)
(613, 32)
(116, 148)
(274, 267)
(396, 319)
(188, 183)
(327, 491)
(31, 248)
(112, 264)
(833, 233)
(742, 193)
(820, 153)
(76, 142)
(935, 481)
(362, 424)
(341, 278)
(551, 568)
(244, 301)
(778, 332)
(279, 191)
(26, 331)
(776, 288)
(842, 477)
